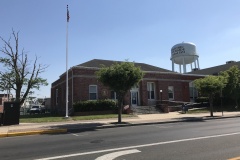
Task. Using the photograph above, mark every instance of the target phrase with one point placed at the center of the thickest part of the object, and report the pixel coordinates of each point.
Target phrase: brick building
(4, 98)
(157, 84)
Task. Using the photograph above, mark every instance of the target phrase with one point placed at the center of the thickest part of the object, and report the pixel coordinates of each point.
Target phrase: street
(210, 139)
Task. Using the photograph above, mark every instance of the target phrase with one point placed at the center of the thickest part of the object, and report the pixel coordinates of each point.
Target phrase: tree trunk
(18, 95)
(25, 95)
(211, 105)
(120, 99)
(236, 101)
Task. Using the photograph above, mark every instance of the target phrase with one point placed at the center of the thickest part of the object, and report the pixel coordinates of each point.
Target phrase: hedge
(202, 99)
(94, 105)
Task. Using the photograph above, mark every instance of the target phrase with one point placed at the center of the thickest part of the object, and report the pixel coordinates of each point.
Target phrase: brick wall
(81, 78)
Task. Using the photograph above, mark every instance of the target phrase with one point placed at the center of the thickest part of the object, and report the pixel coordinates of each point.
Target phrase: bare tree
(17, 71)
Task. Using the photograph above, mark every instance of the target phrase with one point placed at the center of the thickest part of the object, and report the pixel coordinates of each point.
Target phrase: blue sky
(138, 30)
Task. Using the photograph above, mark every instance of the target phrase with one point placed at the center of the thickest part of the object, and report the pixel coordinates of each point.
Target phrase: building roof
(3, 95)
(97, 63)
(217, 69)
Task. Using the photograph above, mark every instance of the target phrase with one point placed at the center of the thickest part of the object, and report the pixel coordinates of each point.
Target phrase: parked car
(37, 109)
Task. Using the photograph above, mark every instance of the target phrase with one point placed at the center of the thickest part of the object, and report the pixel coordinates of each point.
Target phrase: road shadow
(72, 128)
(116, 123)
(190, 119)
(84, 127)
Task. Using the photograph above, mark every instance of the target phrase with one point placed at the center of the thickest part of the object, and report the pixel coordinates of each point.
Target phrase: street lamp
(161, 96)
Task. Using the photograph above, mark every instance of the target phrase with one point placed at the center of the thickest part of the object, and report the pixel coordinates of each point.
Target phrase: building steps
(146, 110)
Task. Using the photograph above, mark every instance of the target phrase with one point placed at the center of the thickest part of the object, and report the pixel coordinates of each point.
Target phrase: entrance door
(134, 98)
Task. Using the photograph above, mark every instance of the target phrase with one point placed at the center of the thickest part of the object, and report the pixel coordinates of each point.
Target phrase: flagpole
(67, 64)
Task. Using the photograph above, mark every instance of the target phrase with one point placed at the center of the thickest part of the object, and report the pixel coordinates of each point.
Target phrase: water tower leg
(172, 66)
(195, 64)
(191, 66)
(198, 64)
(180, 68)
(184, 66)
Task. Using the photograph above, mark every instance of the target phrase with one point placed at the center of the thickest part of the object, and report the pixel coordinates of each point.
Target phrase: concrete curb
(45, 131)
(150, 123)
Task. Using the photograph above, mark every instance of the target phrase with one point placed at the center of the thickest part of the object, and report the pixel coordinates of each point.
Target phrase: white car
(37, 109)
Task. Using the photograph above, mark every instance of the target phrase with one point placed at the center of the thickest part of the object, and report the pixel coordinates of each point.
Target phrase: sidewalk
(73, 126)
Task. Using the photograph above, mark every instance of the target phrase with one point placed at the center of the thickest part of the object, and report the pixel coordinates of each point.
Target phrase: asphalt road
(213, 139)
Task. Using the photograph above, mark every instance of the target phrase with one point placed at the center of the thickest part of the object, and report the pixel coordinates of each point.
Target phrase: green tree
(209, 86)
(232, 88)
(18, 72)
(120, 77)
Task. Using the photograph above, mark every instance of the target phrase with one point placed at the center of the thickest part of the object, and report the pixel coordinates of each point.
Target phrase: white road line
(139, 146)
(157, 126)
(113, 155)
(74, 134)
(77, 135)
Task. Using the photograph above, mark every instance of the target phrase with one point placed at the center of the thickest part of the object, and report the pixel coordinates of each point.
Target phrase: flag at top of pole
(68, 17)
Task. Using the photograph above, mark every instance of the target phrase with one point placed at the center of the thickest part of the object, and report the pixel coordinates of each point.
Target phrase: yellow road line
(235, 158)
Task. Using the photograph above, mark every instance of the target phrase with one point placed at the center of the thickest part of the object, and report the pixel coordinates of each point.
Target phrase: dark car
(37, 109)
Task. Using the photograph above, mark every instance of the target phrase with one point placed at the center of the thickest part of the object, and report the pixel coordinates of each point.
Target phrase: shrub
(202, 99)
(94, 105)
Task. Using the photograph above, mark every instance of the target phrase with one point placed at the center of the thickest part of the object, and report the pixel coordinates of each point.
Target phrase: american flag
(68, 17)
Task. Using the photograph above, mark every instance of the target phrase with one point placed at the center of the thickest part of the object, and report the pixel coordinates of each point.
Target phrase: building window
(151, 90)
(113, 95)
(193, 91)
(56, 96)
(93, 92)
(170, 93)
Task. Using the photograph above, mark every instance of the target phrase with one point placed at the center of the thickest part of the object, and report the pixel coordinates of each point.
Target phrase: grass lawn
(200, 110)
(215, 109)
(42, 118)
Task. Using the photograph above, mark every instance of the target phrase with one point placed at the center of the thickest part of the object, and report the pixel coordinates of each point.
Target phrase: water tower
(183, 54)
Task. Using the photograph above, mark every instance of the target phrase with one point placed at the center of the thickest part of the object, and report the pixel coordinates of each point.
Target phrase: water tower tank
(183, 54)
